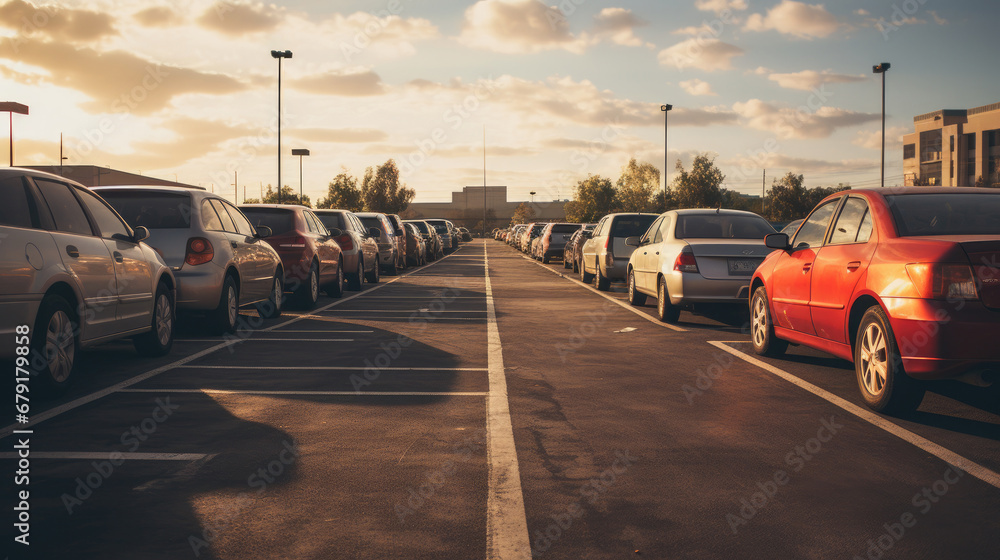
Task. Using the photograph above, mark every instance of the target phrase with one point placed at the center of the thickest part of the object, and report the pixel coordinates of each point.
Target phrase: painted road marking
(317, 393)
(332, 368)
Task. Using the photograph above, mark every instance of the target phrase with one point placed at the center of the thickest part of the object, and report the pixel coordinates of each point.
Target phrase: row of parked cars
(905, 283)
(81, 266)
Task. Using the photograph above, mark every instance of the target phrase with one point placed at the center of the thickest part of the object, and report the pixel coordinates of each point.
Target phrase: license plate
(743, 267)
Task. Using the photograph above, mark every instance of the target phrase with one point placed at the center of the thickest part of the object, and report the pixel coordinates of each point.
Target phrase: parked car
(222, 263)
(74, 274)
(574, 247)
(400, 232)
(605, 255)
(790, 228)
(416, 247)
(384, 231)
(531, 232)
(466, 234)
(435, 249)
(310, 256)
(695, 257)
(444, 232)
(456, 236)
(357, 246)
(513, 238)
(552, 241)
(905, 283)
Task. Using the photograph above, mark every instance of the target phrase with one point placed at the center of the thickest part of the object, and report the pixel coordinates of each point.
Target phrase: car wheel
(54, 344)
(308, 292)
(884, 385)
(666, 311)
(335, 289)
(762, 327)
(373, 276)
(271, 307)
(391, 270)
(223, 318)
(545, 260)
(603, 283)
(635, 297)
(356, 279)
(160, 338)
(585, 276)
(566, 263)
(576, 266)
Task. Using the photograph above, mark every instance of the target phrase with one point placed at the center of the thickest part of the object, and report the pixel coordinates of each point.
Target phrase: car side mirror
(140, 233)
(264, 231)
(587, 235)
(633, 241)
(336, 232)
(777, 241)
(374, 232)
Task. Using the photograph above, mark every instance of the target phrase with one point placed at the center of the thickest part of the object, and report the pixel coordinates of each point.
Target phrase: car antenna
(719, 208)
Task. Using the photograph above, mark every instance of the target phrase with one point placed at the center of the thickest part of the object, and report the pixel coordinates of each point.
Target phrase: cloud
(937, 19)
(241, 19)
(808, 80)
(618, 26)
(697, 87)
(704, 54)
(872, 139)
(805, 21)
(719, 6)
(786, 122)
(339, 135)
(56, 22)
(357, 84)
(777, 164)
(159, 16)
(518, 27)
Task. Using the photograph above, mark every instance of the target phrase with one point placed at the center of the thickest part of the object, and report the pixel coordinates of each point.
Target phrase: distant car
(456, 236)
(221, 262)
(574, 247)
(74, 274)
(416, 247)
(789, 229)
(605, 255)
(903, 282)
(391, 248)
(532, 231)
(552, 241)
(695, 257)
(357, 246)
(435, 250)
(310, 255)
(466, 234)
(400, 232)
(444, 232)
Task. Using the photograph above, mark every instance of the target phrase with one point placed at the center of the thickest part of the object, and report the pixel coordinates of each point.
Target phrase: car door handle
(118, 257)
(72, 251)
(853, 265)
(234, 244)
(806, 268)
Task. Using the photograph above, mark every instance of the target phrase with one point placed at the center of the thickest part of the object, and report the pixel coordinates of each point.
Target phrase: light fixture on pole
(300, 152)
(882, 69)
(279, 55)
(11, 108)
(666, 110)
(532, 193)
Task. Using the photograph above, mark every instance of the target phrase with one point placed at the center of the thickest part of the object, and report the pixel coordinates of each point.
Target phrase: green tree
(288, 196)
(595, 197)
(343, 193)
(787, 199)
(636, 186)
(382, 191)
(523, 214)
(701, 187)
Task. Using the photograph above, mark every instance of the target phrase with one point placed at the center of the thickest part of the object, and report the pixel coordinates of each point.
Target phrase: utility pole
(763, 193)
(484, 181)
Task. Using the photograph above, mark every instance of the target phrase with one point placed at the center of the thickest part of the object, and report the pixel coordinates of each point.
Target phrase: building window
(909, 151)
(952, 142)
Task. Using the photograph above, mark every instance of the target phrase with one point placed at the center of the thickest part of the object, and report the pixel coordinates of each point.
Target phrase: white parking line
(622, 304)
(946, 455)
(75, 456)
(317, 393)
(332, 368)
(506, 520)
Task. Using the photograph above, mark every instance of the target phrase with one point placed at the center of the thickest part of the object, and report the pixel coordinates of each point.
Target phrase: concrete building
(466, 208)
(97, 176)
(953, 147)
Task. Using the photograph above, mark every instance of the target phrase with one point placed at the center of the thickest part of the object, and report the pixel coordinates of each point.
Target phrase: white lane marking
(76, 403)
(946, 455)
(331, 368)
(262, 339)
(622, 304)
(506, 521)
(317, 393)
(73, 455)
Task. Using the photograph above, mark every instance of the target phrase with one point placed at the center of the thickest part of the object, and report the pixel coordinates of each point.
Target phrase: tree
(701, 187)
(343, 193)
(523, 214)
(382, 191)
(288, 196)
(787, 200)
(595, 197)
(636, 186)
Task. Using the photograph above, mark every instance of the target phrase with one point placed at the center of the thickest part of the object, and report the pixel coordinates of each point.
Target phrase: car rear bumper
(617, 270)
(692, 287)
(199, 288)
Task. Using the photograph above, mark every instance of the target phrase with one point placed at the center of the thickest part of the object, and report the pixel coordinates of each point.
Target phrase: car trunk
(171, 244)
(732, 258)
(985, 258)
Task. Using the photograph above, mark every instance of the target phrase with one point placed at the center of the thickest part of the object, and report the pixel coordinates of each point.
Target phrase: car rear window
(565, 228)
(721, 226)
(628, 226)
(280, 221)
(421, 227)
(946, 214)
(15, 210)
(154, 210)
(372, 222)
(332, 220)
(440, 228)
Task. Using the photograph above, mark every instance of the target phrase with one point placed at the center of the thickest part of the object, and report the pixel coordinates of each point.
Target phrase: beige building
(97, 176)
(466, 208)
(953, 147)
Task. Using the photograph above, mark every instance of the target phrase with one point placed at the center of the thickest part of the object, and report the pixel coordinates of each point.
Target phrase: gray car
(359, 248)
(221, 262)
(435, 249)
(443, 231)
(384, 231)
(605, 255)
(694, 257)
(74, 274)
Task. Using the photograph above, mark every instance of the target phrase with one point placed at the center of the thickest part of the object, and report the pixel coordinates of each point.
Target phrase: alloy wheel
(874, 359)
(60, 347)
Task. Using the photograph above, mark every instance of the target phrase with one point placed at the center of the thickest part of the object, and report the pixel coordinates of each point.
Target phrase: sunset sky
(188, 87)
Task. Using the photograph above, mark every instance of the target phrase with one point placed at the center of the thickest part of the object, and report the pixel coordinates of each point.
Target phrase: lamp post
(11, 108)
(532, 193)
(881, 69)
(666, 110)
(279, 55)
(300, 152)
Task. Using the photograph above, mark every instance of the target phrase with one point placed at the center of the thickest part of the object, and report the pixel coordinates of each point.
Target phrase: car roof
(710, 211)
(21, 171)
(153, 188)
(291, 207)
(892, 191)
(368, 214)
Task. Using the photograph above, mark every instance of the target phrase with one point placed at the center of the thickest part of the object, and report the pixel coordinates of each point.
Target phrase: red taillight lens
(345, 242)
(943, 281)
(686, 262)
(199, 251)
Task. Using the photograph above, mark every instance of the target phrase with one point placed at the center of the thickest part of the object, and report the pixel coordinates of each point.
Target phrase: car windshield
(721, 226)
(154, 210)
(946, 214)
(280, 221)
(628, 226)
(565, 228)
(332, 220)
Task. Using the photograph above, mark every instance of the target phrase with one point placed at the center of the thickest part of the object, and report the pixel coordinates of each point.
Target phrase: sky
(187, 89)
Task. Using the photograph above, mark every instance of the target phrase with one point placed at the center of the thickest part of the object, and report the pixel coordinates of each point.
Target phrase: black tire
(357, 279)
(373, 276)
(335, 289)
(160, 338)
(576, 266)
(308, 292)
(545, 260)
(566, 263)
(765, 343)
(585, 276)
(885, 386)
(392, 269)
(603, 282)
(223, 318)
(635, 297)
(666, 311)
(55, 345)
(270, 308)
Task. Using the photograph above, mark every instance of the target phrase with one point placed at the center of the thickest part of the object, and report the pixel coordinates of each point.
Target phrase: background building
(466, 209)
(97, 176)
(954, 147)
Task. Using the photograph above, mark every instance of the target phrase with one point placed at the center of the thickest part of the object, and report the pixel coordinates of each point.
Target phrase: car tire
(392, 270)
(224, 318)
(666, 311)
(54, 345)
(566, 263)
(373, 276)
(765, 343)
(545, 260)
(603, 282)
(335, 289)
(885, 386)
(576, 266)
(270, 308)
(160, 338)
(585, 276)
(308, 292)
(357, 279)
(635, 297)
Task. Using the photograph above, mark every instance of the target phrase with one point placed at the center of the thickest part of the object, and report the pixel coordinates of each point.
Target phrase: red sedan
(903, 282)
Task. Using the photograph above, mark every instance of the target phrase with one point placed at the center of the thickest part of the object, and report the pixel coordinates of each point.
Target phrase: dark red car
(309, 253)
(903, 282)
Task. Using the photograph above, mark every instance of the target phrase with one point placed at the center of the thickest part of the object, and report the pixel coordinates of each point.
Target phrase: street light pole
(11, 107)
(881, 69)
(279, 55)
(300, 152)
(666, 110)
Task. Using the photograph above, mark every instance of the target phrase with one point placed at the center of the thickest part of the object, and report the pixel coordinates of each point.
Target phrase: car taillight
(294, 243)
(685, 261)
(345, 242)
(943, 281)
(199, 251)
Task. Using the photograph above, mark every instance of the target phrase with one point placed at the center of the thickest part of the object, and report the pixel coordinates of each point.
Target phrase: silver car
(384, 231)
(359, 248)
(692, 257)
(605, 255)
(441, 226)
(435, 249)
(220, 260)
(74, 274)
